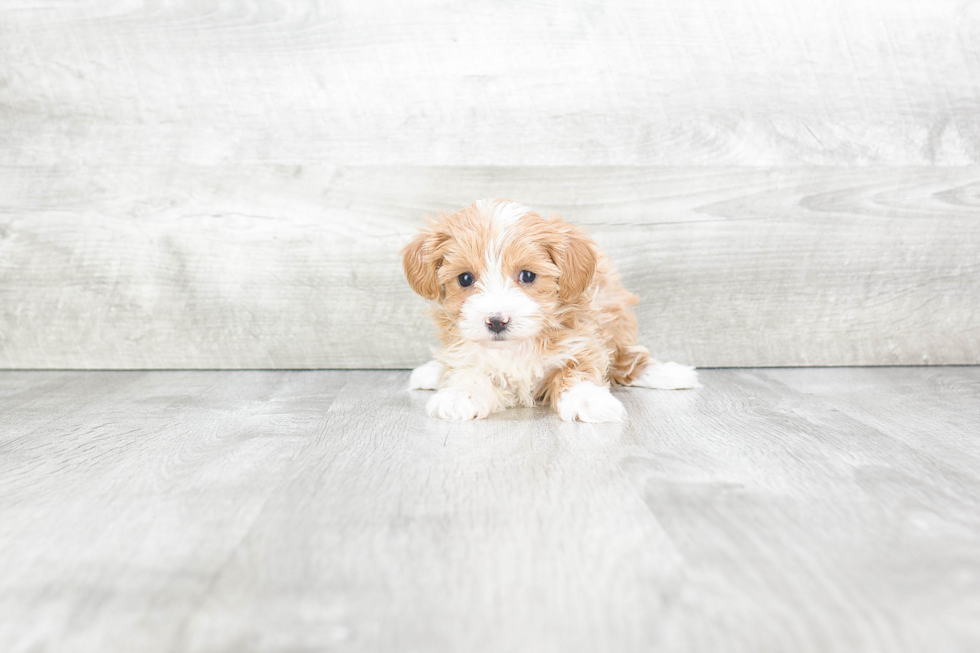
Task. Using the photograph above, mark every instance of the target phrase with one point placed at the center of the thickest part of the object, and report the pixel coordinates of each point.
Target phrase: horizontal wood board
(623, 82)
(227, 184)
(284, 267)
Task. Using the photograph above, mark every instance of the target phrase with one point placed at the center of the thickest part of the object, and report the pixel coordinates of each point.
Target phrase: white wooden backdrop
(227, 184)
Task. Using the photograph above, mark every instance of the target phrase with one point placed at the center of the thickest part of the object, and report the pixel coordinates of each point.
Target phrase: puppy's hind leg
(425, 377)
(630, 362)
(633, 366)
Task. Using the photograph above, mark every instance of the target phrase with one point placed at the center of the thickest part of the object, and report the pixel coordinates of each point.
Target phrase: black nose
(497, 323)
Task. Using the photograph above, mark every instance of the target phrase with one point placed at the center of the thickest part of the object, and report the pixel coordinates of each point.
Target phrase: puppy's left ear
(576, 260)
(422, 264)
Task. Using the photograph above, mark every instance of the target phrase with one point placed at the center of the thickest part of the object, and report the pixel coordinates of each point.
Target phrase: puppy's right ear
(421, 263)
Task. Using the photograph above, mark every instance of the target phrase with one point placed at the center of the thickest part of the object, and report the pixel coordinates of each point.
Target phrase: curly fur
(573, 327)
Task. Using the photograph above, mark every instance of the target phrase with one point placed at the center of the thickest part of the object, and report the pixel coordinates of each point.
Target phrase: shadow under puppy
(528, 310)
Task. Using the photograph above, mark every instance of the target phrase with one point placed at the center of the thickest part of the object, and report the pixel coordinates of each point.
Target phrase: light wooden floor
(773, 510)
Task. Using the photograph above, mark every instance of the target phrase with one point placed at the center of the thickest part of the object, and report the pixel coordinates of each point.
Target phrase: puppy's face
(500, 272)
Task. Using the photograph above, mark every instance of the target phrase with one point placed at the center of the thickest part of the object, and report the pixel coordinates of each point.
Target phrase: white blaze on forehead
(493, 277)
(503, 213)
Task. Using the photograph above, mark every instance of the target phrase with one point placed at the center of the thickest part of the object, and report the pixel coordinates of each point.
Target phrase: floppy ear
(421, 264)
(576, 260)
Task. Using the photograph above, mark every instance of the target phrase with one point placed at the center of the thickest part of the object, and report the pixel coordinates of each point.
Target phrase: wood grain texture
(297, 267)
(225, 184)
(624, 82)
(930, 410)
(770, 511)
(121, 493)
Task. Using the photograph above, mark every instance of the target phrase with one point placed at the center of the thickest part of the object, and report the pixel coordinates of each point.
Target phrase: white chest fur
(515, 371)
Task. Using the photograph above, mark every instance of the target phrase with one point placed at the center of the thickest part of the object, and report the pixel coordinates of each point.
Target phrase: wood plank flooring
(772, 510)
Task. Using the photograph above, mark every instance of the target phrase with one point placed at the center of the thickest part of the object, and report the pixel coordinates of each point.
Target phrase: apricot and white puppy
(528, 309)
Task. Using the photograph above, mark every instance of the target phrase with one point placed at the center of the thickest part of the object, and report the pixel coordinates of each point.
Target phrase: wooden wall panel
(227, 183)
(747, 82)
(265, 266)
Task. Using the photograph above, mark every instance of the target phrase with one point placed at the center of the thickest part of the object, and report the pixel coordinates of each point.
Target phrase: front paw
(457, 404)
(588, 402)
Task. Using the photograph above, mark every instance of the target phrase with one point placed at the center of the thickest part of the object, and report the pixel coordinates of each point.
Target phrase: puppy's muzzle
(497, 322)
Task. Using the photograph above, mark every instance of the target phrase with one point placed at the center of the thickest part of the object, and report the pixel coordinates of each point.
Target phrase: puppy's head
(499, 271)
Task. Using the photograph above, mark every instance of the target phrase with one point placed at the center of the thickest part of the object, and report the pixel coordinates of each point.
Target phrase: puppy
(528, 310)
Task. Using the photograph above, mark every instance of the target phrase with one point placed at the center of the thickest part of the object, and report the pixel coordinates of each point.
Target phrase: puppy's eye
(465, 279)
(527, 276)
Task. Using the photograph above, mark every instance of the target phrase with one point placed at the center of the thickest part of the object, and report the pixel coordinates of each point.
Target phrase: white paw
(457, 404)
(668, 376)
(587, 402)
(425, 377)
